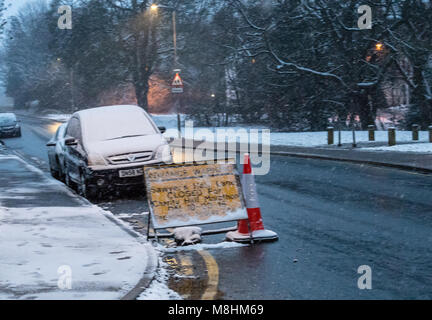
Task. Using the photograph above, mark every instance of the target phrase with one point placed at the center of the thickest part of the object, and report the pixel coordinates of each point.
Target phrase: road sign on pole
(177, 84)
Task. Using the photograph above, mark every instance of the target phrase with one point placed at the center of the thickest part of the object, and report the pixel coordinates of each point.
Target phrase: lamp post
(154, 7)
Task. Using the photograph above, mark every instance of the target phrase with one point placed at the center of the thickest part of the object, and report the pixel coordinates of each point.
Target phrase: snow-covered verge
(299, 139)
(58, 117)
(412, 147)
(71, 251)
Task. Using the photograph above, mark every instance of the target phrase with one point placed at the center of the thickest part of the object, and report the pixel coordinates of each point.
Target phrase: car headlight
(163, 153)
(95, 160)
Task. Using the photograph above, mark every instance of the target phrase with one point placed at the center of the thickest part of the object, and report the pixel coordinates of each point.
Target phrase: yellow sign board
(193, 194)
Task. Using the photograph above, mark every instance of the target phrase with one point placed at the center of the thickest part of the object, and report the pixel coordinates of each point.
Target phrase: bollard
(354, 144)
(371, 130)
(391, 136)
(415, 132)
(430, 133)
(330, 135)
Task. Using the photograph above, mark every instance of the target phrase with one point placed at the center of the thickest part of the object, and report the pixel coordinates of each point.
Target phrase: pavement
(56, 245)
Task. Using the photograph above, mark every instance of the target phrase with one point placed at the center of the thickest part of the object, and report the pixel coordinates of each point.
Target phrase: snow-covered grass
(412, 147)
(320, 138)
(58, 117)
(300, 139)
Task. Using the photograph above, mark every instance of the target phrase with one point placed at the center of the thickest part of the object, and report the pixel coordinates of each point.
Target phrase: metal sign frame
(177, 165)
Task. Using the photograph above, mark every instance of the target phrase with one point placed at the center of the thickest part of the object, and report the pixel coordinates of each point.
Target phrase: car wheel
(68, 180)
(61, 175)
(84, 189)
(54, 174)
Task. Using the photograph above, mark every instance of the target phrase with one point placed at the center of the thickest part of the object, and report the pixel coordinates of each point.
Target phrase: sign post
(191, 194)
(176, 88)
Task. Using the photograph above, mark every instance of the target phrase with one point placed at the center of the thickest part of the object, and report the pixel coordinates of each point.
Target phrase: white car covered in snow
(107, 147)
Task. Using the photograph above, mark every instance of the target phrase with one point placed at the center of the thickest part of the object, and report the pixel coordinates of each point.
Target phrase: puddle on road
(188, 275)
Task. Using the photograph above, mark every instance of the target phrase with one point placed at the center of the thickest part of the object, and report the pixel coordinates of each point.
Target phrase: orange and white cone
(253, 227)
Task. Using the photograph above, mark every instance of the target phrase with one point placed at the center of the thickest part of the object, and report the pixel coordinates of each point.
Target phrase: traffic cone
(253, 227)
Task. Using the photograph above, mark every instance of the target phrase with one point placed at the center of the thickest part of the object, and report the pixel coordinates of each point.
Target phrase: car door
(60, 148)
(51, 146)
(75, 155)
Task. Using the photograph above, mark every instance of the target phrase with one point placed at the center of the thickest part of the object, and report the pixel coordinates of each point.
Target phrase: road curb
(358, 161)
(146, 279)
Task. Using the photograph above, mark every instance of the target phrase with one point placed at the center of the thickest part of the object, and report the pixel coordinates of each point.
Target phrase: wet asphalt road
(331, 218)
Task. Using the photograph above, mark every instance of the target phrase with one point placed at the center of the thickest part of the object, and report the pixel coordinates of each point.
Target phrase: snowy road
(331, 218)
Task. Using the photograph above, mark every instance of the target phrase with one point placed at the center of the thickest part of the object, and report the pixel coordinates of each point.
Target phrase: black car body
(56, 149)
(9, 126)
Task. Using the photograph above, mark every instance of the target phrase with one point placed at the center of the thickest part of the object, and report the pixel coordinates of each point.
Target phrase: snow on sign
(193, 193)
(177, 84)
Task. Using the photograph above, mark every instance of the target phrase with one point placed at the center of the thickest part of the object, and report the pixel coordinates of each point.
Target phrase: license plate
(131, 173)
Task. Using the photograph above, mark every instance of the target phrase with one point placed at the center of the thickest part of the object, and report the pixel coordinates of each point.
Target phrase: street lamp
(154, 7)
(379, 46)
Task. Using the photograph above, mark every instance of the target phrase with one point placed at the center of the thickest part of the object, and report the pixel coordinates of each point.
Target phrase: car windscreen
(7, 120)
(116, 125)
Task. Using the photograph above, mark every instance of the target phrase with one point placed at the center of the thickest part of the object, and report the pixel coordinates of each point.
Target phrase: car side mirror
(162, 129)
(71, 142)
(51, 144)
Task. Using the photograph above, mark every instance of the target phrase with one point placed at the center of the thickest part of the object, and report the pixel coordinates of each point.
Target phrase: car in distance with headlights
(56, 148)
(107, 147)
(9, 125)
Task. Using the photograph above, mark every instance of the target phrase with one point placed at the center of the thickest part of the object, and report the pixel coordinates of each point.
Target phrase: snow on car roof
(112, 122)
(9, 116)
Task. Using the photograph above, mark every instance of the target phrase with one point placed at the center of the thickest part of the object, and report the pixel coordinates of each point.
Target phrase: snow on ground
(300, 139)
(35, 242)
(158, 289)
(414, 147)
(243, 133)
(204, 246)
(43, 246)
(58, 117)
